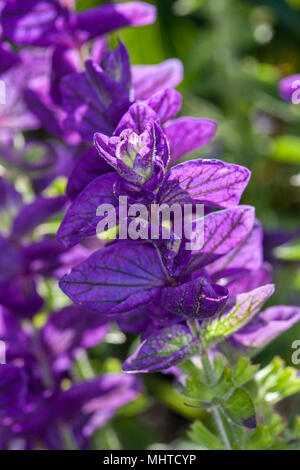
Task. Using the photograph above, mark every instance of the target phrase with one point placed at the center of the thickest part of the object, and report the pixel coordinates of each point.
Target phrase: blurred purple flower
(33, 404)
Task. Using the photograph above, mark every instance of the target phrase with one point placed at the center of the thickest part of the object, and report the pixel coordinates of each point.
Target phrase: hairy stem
(211, 379)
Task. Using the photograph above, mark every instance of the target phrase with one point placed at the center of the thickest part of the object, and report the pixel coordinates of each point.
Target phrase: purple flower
(33, 405)
(243, 269)
(166, 347)
(69, 331)
(67, 31)
(138, 150)
(21, 261)
(54, 22)
(127, 275)
(96, 99)
(51, 160)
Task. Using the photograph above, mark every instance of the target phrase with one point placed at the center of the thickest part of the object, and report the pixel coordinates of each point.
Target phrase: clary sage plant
(195, 300)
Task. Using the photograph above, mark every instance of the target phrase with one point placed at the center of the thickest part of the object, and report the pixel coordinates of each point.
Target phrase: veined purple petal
(36, 213)
(165, 103)
(162, 350)
(267, 325)
(289, 88)
(223, 231)
(186, 134)
(246, 281)
(247, 255)
(105, 18)
(88, 167)
(116, 279)
(81, 218)
(150, 79)
(107, 147)
(212, 182)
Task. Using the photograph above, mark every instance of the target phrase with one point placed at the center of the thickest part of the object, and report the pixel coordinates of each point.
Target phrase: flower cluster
(76, 109)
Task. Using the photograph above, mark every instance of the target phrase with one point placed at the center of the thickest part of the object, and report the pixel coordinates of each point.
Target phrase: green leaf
(286, 149)
(246, 307)
(260, 439)
(219, 363)
(243, 371)
(275, 423)
(240, 409)
(203, 437)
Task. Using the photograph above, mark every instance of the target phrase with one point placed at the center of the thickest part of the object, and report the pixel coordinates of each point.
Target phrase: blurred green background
(234, 54)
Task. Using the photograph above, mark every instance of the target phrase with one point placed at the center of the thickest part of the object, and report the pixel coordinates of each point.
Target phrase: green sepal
(243, 371)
